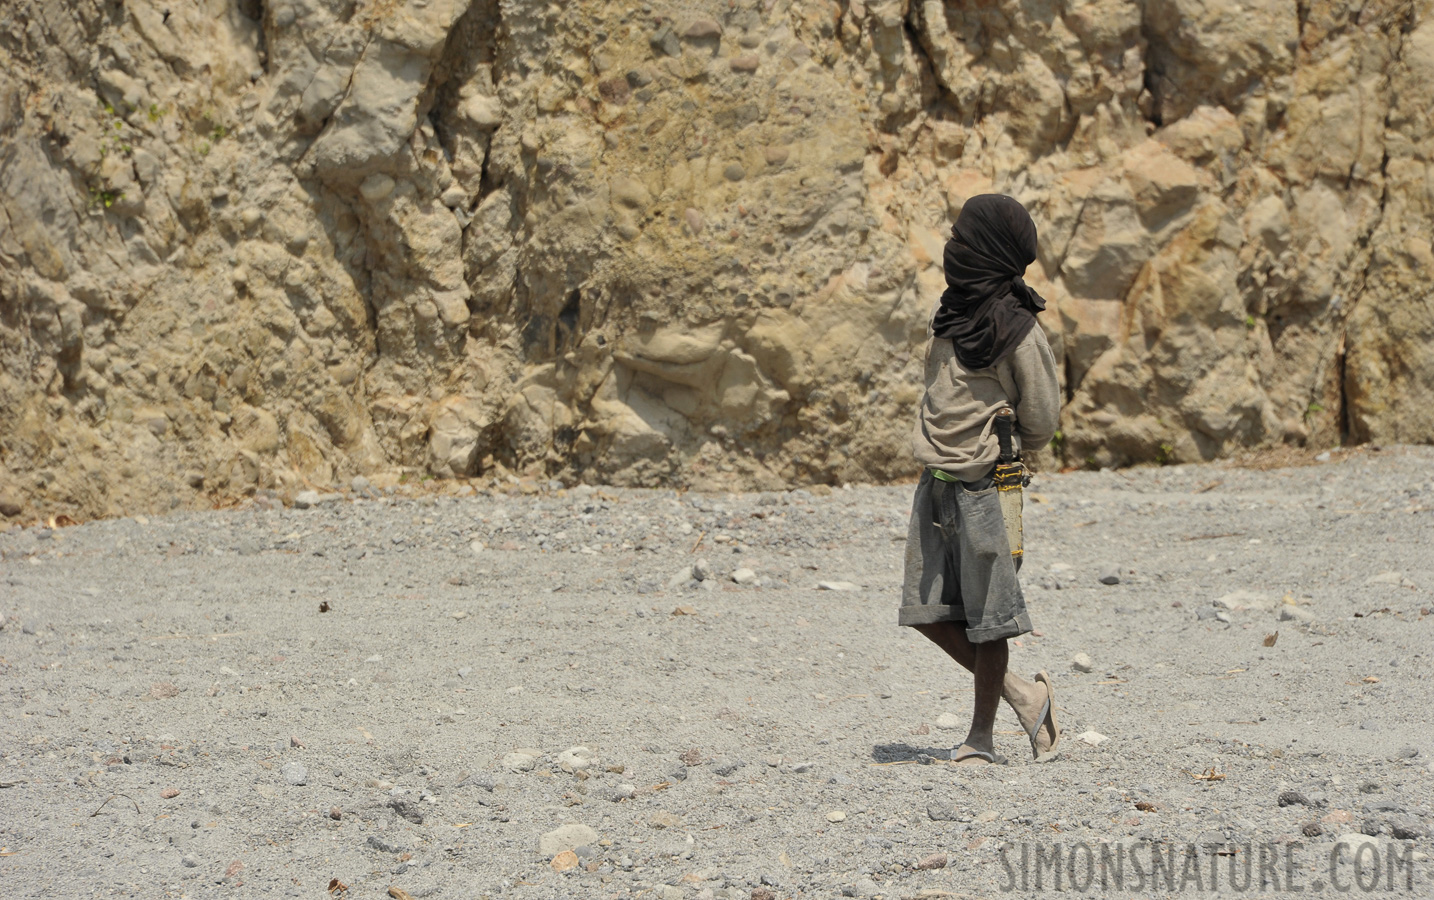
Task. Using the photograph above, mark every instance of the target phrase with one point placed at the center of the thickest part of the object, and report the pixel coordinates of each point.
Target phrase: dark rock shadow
(903, 752)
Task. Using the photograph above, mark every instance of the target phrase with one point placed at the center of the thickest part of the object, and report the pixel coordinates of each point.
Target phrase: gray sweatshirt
(954, 426)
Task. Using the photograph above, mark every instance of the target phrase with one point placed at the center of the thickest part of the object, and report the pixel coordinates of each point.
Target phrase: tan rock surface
(264, 245)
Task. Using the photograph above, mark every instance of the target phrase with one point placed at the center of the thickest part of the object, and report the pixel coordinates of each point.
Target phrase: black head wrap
(987, 309)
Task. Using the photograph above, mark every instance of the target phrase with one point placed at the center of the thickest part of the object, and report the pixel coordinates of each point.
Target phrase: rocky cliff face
(275, 243)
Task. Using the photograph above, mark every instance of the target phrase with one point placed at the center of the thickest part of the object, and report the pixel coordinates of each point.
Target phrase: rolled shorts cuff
(1016, 626)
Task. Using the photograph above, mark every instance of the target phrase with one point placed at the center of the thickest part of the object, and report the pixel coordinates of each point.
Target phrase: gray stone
(1293, 798)
(1109, 575)
(665, 40)
(1405, 827)
(1082, 663)
(702, 570)
(1205, 613)
(294, 773)
(943, 811)
(189, 861)
(10, 507)
(744, 576)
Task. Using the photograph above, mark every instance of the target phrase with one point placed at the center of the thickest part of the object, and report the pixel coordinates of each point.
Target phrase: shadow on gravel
(890, 753)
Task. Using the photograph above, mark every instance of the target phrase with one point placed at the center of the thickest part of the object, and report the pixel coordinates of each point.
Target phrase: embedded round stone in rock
(734, 172)
(703, 28)
(376, 186)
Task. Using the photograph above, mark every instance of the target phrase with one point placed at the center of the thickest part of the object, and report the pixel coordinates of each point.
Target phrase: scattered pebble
(837, 586)
(836, 815)
(564, 861)
(294, 773)
(1093, 738)
(1109, 575)
(1082, 663)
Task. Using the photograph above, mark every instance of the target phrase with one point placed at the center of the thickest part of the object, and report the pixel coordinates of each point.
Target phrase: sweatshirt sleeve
(1038, 414)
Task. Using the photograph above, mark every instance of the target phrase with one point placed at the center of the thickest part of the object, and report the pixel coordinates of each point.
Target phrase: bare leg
(1025, 697)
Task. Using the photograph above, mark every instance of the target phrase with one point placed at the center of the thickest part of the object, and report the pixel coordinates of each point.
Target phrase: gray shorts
(959, 566)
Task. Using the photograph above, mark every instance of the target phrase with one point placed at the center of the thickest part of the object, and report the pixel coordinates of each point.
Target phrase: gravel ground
(767, 739)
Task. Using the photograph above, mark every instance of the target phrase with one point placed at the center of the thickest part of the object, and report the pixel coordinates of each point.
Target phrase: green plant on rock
(103, 197)
(1166, 454)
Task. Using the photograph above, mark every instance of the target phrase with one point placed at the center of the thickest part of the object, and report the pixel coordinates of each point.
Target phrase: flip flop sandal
(1048, 714)
(995, 759)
